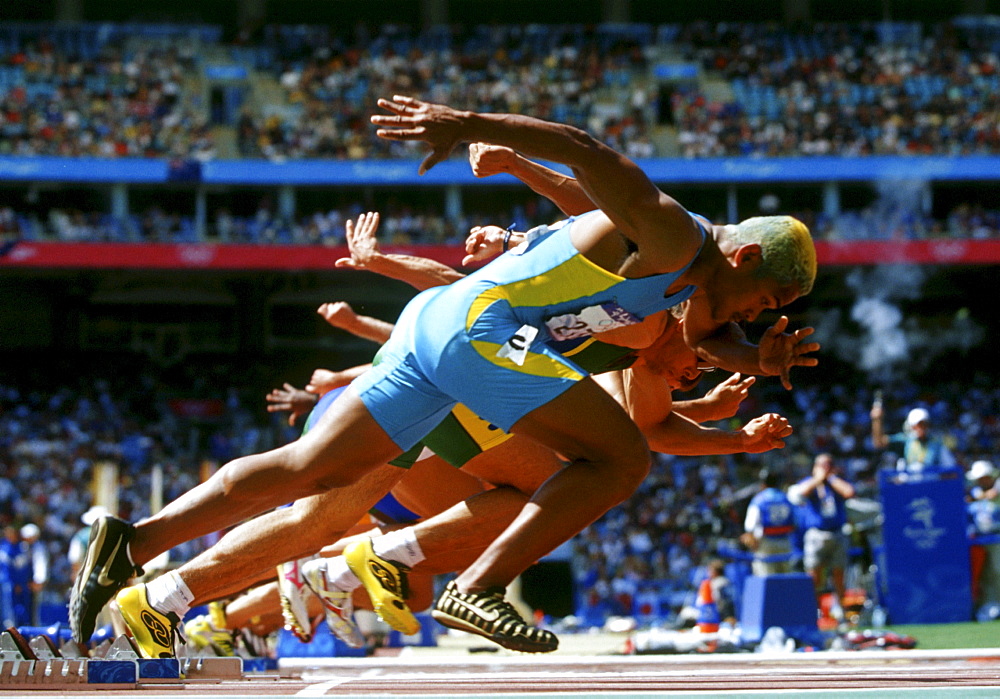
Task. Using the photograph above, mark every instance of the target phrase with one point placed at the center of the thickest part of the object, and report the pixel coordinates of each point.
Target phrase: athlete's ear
(747, 254)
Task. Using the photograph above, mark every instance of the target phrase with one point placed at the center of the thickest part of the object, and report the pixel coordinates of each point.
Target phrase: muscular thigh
(519, 462)
(339, 509)
(432, 485)
(586, 423)
(344, 445)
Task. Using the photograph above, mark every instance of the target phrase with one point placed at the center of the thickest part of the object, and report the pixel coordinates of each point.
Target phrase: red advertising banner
(28, 254)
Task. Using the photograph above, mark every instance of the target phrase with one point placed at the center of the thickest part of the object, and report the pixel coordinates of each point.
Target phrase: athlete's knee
(328, 480)
(629, 467)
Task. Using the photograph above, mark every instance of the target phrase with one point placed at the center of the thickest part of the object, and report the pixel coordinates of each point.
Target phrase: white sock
(400, 545)
(169, 593)
(340, 576)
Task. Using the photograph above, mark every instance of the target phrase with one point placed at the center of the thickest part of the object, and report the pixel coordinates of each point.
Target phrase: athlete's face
(739, 295)
(674, 361)
(745, 301)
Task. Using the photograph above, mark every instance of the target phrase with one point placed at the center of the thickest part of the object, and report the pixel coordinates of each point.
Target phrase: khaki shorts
(824, 549)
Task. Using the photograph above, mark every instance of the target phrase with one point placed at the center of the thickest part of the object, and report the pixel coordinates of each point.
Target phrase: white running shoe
(338, 604)
(293, 591)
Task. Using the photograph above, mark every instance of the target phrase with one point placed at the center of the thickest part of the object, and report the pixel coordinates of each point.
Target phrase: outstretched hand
(415, 120)
(727, 396)
(361, 241)
(765, 433)
(339, 314)
(483, 243)
(296, 401)
(487, 159)
(324, 380)
(780, 351)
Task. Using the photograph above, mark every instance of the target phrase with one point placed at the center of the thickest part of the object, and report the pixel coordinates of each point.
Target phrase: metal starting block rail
(39, 664)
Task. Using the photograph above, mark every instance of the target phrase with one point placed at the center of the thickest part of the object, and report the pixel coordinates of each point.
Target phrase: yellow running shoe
(152, 630)
(386, 584)
(209, 632)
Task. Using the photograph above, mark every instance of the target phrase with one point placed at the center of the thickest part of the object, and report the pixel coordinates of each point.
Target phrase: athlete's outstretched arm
(647, 399)
(323, 380)
(683, 437)
(296, 401)
(727, 346)
(722, 402)
(562, 190)
(339, 314)
(617, 185)
(418, 272)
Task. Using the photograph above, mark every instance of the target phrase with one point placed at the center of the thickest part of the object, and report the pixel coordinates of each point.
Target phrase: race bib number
(589, 321)
(516, 348)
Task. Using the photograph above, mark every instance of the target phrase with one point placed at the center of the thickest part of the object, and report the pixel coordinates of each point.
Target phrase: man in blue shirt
(770, 523)
(821, 499)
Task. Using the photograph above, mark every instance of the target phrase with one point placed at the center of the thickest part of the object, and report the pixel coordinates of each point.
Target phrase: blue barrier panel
(927, 573)
(404, 172)
(787, 601)
(129, 170)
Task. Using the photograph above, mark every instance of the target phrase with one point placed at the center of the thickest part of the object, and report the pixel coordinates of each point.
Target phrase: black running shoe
(105, 570)
(491, 616)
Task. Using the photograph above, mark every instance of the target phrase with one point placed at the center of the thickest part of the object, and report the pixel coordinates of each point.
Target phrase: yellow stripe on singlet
(575, 278)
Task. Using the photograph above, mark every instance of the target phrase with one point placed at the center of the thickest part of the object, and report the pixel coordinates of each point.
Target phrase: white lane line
(320, 689)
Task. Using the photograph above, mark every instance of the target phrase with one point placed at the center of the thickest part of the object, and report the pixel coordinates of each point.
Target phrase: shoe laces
(177, 626)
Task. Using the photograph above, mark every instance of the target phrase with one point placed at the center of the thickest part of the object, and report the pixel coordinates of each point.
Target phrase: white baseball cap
(93, 514)
(30, 531)
(981, 469)
(916, 416)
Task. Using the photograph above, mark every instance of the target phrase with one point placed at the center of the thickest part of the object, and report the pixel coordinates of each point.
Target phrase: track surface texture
(457, 672)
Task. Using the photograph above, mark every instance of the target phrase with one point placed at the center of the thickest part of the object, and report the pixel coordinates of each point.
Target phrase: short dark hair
(770, 479)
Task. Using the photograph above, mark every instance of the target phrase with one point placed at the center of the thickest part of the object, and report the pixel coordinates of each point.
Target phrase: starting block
(40, 664)
(21, 665)
(123, 650)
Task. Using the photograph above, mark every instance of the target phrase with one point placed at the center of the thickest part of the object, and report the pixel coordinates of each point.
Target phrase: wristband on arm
(506, 237)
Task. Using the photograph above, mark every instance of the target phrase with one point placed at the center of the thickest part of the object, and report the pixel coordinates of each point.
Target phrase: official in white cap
(916, 447)
(984, 476)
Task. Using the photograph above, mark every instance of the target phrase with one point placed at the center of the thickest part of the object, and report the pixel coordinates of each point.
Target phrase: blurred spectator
(38, 564)
(769, 526)
(983, 474)
(821, 501)
(984, 513)
(15, 558)
(916, 448)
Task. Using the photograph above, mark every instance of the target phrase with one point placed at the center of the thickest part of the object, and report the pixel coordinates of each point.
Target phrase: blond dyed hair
(787, 250)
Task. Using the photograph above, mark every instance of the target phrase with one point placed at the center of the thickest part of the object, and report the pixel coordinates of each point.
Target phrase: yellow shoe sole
(374, 573)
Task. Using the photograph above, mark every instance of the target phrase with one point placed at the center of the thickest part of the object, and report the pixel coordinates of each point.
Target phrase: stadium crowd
(826, 89)
(330, 86)
(841, 90)
(407, 224)
(640, 558)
